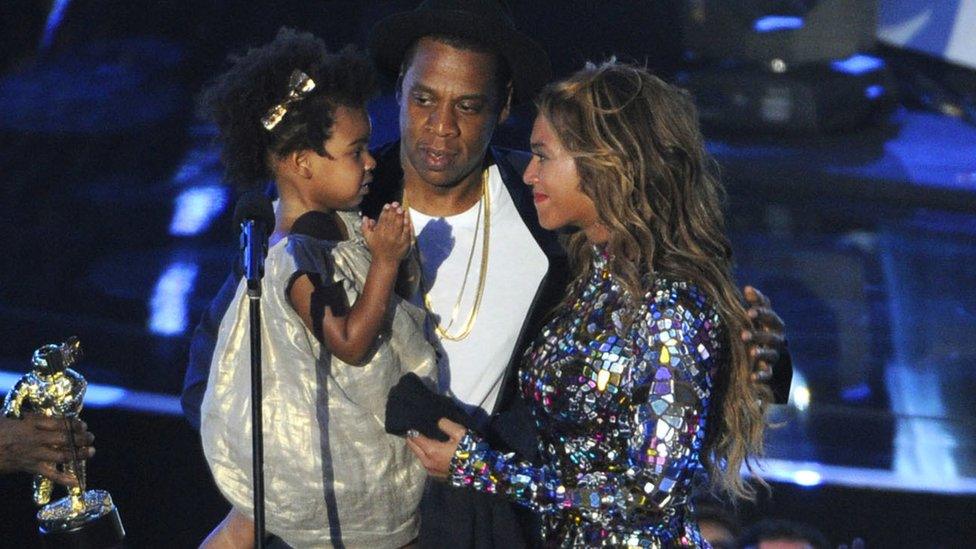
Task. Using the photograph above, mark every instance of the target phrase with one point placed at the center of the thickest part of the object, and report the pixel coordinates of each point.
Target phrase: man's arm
(35, 443)
(771, 360)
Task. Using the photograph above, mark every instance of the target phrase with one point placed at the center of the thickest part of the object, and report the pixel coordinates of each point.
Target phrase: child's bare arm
(236, 531)
(349, 332)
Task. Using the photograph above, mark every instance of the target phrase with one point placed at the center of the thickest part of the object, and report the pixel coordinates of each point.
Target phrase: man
(490, 272)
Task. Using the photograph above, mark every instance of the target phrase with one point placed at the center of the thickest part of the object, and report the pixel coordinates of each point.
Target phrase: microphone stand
(254, 243)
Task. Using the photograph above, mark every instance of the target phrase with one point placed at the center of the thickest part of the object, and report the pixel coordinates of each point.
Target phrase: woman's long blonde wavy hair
(641, 159)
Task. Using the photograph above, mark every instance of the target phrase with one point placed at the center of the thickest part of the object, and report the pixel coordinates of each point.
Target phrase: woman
(635, 383)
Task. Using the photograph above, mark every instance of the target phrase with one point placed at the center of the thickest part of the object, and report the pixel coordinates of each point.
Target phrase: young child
(335, 336)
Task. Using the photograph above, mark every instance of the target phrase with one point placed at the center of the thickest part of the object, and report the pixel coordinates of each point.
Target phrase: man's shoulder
(387, 179)
(514, 159)
(511, 164)
(387, 158)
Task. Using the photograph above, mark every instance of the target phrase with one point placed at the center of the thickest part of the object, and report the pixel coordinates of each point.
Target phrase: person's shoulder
(317, 225)
(387, 158)
(681, 316)
(310, 243)
(387, 179)
(681, 301)
(511, 164)
(304, 249)
(513, 159)
(385, 150)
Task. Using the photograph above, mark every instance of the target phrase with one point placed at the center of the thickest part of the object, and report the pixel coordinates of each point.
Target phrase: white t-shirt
(471, 370)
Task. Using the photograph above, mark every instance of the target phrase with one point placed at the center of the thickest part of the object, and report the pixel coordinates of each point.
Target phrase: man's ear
(398, 88)
(507, 105)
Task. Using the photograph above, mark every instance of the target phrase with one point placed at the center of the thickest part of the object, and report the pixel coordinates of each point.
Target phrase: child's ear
(298, 163)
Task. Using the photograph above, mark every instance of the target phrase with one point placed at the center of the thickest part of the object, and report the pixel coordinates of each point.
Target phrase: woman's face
(555, 183)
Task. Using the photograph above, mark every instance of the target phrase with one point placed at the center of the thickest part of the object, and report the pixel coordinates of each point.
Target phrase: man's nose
(443, 121)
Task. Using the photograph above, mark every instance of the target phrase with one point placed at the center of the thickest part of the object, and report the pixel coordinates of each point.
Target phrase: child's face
(340, 178)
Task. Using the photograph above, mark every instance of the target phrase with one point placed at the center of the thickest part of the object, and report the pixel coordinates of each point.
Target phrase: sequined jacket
(620, 395)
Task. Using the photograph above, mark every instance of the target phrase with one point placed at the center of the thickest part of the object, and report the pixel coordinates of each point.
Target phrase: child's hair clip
(299, 84)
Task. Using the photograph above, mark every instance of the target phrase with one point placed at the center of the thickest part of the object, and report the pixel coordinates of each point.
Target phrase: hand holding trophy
(84, 518)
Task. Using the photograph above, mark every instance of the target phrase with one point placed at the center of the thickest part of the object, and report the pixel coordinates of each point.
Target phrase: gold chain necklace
(484, 213)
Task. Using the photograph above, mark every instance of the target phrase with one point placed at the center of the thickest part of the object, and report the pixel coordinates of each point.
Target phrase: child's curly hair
(238, 99)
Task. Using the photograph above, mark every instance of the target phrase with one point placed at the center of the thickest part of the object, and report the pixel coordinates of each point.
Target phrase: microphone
(255, 216)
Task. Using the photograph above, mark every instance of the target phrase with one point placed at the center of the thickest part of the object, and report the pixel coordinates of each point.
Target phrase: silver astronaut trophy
(83, 518)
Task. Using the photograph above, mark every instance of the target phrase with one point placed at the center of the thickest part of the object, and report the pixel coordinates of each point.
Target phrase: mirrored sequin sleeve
(637, 453)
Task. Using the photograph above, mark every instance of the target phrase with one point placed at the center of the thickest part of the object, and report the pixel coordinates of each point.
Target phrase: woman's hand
(389, 237)
(435, 455)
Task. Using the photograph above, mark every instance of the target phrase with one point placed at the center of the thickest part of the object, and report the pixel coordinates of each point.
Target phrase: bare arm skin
(349, 332)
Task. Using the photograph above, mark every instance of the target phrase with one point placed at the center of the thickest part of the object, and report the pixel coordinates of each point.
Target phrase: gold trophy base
(97, 525)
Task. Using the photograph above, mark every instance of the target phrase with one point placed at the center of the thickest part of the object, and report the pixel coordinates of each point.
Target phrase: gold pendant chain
(484, 215)
(467, 270)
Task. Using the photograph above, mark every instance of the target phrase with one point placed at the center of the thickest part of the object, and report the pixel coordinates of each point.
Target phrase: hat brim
(528, 61)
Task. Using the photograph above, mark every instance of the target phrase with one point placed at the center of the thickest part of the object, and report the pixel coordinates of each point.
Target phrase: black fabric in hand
(411, 405)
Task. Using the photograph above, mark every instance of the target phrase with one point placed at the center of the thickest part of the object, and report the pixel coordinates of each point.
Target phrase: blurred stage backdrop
(846, 132)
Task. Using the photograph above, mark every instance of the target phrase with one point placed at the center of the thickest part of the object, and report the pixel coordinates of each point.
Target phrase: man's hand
(35, 444)
(766, 340)
(435, 455)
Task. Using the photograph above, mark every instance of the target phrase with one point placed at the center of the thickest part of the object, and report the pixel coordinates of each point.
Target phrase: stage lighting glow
(874, 92)
(103, 395)
(109, 396)
(58, 8)
(801, 472)
(799, 392)
(773, 23)
(857, 64)
(196, 208)
(807, 477)
(856, 393)
(925, 445)
(8, 379)
(169, 307)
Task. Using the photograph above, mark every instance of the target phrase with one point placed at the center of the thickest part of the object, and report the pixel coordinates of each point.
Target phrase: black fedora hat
(482, 21)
